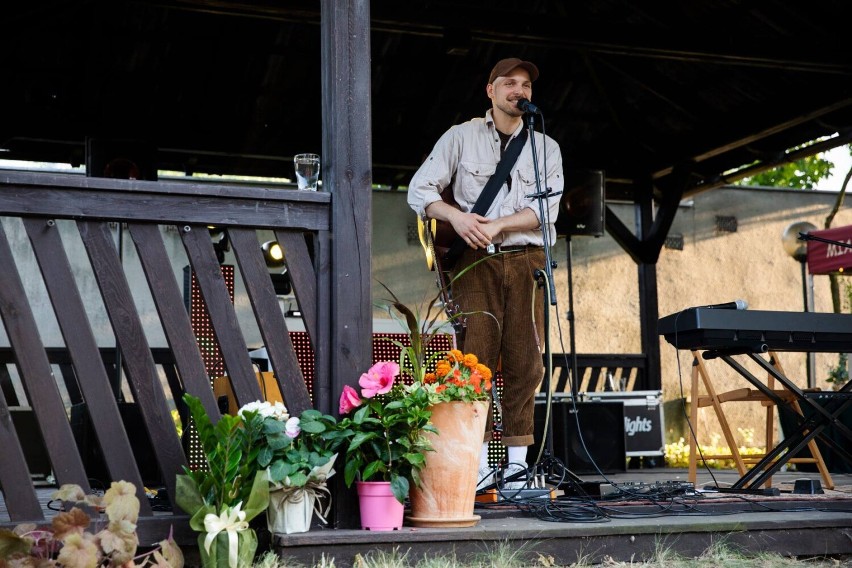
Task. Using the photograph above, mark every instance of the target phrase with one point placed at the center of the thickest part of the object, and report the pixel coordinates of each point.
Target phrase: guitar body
(437, 237)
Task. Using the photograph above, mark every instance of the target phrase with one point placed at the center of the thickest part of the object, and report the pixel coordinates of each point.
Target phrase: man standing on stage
(504, 284)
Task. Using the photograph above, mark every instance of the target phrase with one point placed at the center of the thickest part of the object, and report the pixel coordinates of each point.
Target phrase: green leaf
(372, 468)
(298, 479)
(361, 414)
(264, 456)
(187, 495)
(416, 459)
(279, 470)
(259, 497)
(273, 426)
(350, 472)
(399, 486)
(359, 439)
(312, 427)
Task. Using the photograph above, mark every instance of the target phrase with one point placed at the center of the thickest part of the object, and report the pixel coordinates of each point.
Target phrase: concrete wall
(713, 267)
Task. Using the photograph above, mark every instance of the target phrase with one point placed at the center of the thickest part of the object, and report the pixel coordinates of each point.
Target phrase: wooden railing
(599, 372)
(57, 212)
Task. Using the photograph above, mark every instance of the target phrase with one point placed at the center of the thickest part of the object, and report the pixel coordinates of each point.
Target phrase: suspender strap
(489, 192)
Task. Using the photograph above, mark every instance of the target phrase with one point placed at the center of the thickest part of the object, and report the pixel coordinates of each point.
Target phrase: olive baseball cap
(505, 65)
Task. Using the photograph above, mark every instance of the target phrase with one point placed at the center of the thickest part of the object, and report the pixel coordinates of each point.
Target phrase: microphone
(527, 106)
(735, 305)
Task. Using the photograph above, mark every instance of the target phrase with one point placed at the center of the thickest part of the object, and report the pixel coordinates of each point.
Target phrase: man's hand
(475, 230)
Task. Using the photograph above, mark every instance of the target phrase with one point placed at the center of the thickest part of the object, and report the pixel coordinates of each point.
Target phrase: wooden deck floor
(788, 524)
(596, 529)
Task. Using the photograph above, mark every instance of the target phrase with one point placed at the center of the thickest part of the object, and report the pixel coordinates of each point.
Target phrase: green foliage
(386, 439)
(800, 174)
(839, 374)
(292, 459)
(231, 447)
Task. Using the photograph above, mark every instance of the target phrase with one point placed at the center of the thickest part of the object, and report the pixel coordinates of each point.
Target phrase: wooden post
(347, 175)
(648, 301)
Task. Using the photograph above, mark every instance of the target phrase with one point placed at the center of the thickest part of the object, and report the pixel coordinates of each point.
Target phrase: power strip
(525, 494)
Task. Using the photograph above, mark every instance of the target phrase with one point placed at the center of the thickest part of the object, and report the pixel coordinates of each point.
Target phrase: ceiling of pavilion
(634, 88)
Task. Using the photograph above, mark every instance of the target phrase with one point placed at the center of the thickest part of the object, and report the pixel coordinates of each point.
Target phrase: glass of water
(307, 170)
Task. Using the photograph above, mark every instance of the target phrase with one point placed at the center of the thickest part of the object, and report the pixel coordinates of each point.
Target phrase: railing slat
(69, 196)
(83, 348)
(136, 354)
(18, 489)
(34, 367)
(270, 320)
(173, 315)
(202, 258)
(303, 277)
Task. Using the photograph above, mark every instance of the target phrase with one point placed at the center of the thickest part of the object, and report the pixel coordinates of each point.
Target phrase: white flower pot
(290, 511)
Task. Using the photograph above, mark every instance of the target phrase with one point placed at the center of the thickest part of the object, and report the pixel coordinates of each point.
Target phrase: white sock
(483, 456)
(518, 455)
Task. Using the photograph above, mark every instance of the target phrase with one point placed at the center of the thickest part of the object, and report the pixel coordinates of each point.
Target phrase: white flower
(266, 409)
(256, 406)
(292, 428)
(278, 411)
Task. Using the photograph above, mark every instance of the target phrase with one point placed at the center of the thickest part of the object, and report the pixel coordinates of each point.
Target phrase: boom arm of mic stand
(541, 196)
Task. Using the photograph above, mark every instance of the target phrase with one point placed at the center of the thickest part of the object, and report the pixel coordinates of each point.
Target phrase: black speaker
(581, 208)
(602, 429)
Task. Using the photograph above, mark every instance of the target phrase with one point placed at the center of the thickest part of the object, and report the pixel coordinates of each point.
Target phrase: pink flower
(378, 379)
(349, 399)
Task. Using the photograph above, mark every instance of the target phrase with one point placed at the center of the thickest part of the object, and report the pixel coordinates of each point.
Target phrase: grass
(510, 555)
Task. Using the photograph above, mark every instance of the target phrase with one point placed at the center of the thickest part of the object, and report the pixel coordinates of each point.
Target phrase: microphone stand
(541, 195)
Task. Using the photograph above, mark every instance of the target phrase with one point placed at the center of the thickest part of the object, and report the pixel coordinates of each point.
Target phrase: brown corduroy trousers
(500, 296)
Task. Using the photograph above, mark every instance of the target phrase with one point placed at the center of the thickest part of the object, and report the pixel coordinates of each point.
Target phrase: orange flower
(429, 378)
(440, 388)
(470, 361)
(484, 371)
(475, 379)
(455, 356)
(442, 369)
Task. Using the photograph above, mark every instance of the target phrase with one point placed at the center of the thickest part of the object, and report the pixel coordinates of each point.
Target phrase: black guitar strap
(489, 192)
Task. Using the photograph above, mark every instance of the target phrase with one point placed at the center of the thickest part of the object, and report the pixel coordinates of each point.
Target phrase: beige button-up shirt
(467, 155)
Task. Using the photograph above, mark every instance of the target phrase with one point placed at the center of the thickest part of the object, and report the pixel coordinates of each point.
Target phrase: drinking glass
(307, 170)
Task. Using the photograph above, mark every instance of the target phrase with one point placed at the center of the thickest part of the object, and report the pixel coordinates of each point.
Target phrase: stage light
(273, 254)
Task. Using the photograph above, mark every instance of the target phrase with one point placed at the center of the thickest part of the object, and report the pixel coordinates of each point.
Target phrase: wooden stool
(714, 399)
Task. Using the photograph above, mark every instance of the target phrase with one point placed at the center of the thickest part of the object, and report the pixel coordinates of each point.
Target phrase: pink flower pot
(380, 511)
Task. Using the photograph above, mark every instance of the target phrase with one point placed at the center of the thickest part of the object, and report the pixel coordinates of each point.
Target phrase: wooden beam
(347, 155)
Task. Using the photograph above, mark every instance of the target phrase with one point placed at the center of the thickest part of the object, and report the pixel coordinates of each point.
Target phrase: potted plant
(298, 454)
(385, 430)
(223, 498)
(458, 391)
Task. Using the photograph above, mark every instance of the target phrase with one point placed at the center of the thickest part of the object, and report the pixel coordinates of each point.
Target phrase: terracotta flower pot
(446, 495)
